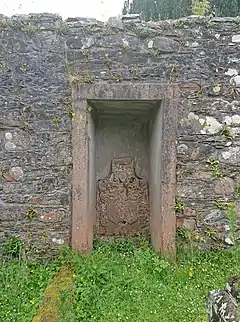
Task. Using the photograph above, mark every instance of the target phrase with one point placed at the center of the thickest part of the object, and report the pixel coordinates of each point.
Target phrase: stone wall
(41, 55)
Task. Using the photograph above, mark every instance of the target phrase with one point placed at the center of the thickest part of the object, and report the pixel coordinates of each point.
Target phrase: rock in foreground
(223, 303)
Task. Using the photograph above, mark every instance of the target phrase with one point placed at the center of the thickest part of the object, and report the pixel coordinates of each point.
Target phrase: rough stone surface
(223, 305)
(14, 174)
(224, 187)
(189, 224)
(122, 204)
(41, 55)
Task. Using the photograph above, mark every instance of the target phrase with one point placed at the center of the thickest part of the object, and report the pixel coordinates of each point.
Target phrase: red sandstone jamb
(81, 220)
(168, 173)
(163, 220)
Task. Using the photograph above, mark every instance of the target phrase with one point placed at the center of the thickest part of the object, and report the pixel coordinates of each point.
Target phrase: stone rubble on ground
(223, 304)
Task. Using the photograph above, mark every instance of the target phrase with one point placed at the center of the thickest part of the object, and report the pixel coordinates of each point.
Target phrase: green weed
(179, 206)
(232, 217)
(57, 120)
(226, 131)
(238, 191)
(214, 165)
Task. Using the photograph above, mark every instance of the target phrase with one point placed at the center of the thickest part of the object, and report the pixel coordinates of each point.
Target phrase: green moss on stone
(49, 310)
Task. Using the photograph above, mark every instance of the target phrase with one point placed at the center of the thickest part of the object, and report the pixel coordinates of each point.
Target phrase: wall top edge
(51, 18)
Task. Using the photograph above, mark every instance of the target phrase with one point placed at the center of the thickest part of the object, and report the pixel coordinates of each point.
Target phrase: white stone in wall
(150, 44)
(202, 122)
(229, 120)
(125, 42)
(229, 241)
(193, 116)
(89, 43)
(235, 105)
(16, 173)
(212, 125)
(236, 119)
(194, 44)
(8, 136)
(182, 148)
(233, 153)
(216, 89)
(10, 146)
(236, 38)
(231, 72)
(235, 80)
(233, 60)
(58, 241)
(235, 131)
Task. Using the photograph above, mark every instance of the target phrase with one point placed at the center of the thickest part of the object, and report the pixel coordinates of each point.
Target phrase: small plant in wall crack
(62, 173)
(89, 108)
(70, 112)
(135, 71)
(31, 30)
(226, 131)
(68, 104)
(144, 33)
(89, 79)
(125, 48)
(173, 71)
(23, 68)
(63, 29)
(220, 205)
(57, 120)
(155, 53)
(199, 238)
(179, 206)
(238, 191)
(184, 234)
(81, 79)
(232, 217)
(211, 233)
(214, 165)
(26, 127)
(5, 24)
(31, 213)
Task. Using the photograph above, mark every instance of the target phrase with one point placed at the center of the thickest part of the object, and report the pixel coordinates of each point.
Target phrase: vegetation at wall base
(22, 284)
(123, 280)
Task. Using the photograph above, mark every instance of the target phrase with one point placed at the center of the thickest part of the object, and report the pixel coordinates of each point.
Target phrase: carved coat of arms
(122, 201)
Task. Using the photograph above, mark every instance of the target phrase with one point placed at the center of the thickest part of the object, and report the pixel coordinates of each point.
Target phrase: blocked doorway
(124, 163)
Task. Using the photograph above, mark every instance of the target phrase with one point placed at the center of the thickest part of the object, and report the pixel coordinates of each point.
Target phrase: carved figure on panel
(122, 201)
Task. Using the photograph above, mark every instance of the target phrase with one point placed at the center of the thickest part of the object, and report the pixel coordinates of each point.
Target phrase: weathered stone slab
(223, 304)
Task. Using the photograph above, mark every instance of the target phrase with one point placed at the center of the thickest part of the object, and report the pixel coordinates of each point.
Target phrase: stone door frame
(163, 219)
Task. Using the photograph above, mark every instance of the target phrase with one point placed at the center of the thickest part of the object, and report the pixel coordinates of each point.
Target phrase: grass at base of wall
(22, 284)
(120, 281)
